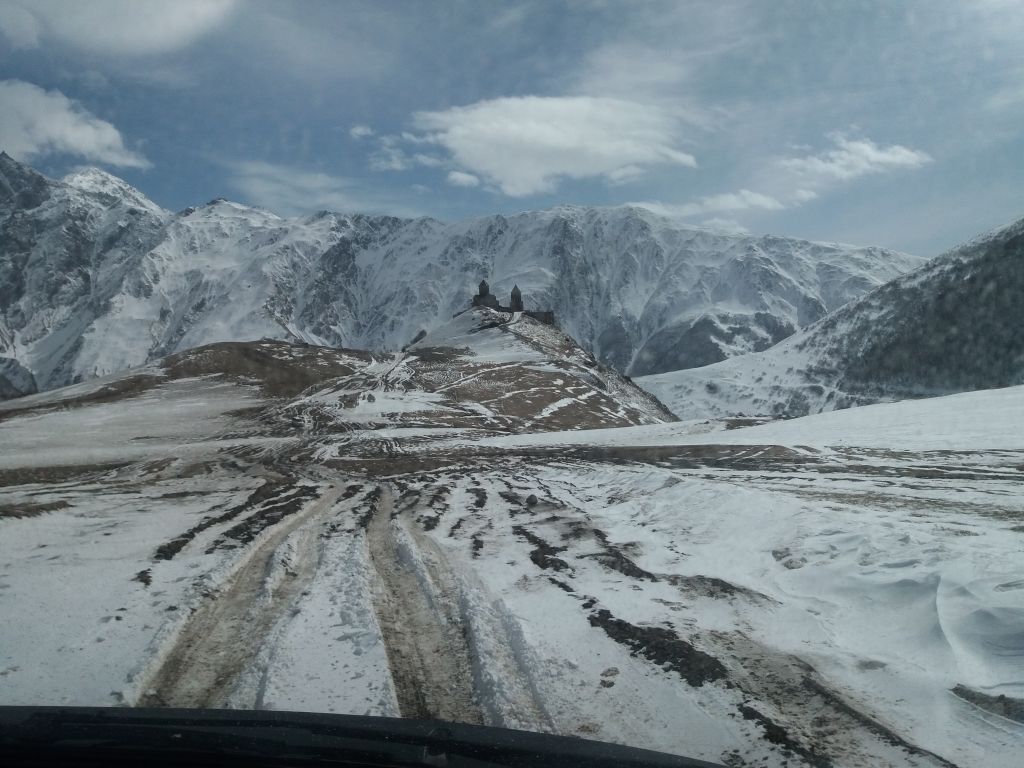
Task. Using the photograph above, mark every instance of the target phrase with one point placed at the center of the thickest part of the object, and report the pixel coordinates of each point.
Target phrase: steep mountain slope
(953, 325)
(66, 251)
(94, 278)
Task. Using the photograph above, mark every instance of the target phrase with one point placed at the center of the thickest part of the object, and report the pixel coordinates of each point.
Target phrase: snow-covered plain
(842, 589)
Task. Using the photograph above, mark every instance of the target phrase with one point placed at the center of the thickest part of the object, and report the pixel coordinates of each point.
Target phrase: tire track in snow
(224, 636)
(426, 647)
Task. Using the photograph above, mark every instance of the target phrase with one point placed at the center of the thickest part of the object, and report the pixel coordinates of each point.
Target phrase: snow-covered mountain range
(953, 325)
(95, 278)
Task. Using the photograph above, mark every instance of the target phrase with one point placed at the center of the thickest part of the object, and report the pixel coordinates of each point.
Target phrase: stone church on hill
(487, 299)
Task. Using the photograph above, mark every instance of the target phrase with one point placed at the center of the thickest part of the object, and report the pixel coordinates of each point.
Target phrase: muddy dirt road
(223, 637)
(418, 615)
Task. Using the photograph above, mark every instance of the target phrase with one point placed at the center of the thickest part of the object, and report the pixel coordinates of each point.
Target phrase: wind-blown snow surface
(248, 525)
(954, 324)
(95, 278)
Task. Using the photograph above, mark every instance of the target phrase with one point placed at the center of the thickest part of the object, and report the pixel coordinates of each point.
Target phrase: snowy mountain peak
(108, 188)
(20, 186)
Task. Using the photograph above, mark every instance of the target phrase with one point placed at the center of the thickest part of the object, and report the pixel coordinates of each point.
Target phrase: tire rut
(423, 634)
(223, 638)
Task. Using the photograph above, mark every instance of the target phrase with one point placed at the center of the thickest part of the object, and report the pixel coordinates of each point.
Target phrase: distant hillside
(956, 324)
(492, 371)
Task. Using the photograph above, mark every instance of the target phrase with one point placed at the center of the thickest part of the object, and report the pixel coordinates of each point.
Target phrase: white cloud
(526, 145)
(360, 131)
(460, 179)
(626, 69)
(427, 161)
(794, 181)
(18, 25)
(34, 123)
(389, 156)
(290, 190)
(850, 159)
(115, 27)
(728, 226)
(1010, 95)
(742, 200)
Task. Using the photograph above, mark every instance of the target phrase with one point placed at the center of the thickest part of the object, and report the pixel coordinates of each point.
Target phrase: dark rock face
(64, 254)
(959, 328)
(708, 340)
(954, 325)
(15, 379)
(21, 188)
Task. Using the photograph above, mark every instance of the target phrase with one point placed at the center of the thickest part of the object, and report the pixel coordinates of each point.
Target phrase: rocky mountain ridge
(951, 326)
(95, 278)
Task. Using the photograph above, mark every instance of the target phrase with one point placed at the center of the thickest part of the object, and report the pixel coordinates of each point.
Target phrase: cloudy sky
(865, 121)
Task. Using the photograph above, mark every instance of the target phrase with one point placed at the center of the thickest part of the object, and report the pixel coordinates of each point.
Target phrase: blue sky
(864, 121)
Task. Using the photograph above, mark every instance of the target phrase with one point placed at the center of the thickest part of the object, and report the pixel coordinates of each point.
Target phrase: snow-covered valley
(491, 527)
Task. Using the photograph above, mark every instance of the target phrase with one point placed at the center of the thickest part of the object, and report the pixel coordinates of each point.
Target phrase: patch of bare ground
(741, 423)
(442, 355)
(279, 368)
(774, 458)
(270, 489)
(224, 635)
(58, 474)
(661, 646)
(543, 554)
(30, 509)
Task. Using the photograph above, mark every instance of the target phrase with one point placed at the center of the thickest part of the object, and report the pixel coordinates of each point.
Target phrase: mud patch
(290, 500)
(614, 559)
(543, 554)
(662, 647)
(31, 509)
(424, 634)
(59, 474)
(713, 587)
(776, 734)
(266, 492)
(223, 637)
